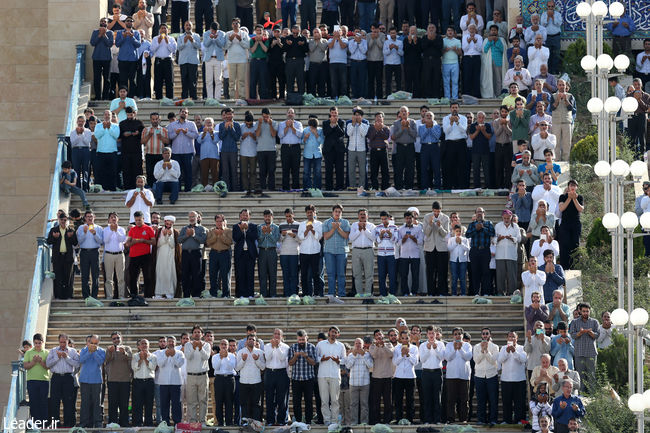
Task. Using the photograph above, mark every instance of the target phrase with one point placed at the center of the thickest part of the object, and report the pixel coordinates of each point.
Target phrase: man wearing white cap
(167, 257)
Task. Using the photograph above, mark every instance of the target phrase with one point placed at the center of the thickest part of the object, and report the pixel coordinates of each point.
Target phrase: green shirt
(450, 57)
(37, 372)
(259, 53)
(519, 125)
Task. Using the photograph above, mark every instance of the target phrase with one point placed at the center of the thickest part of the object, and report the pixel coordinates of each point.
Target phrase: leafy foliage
(606, 414)
(585, 151)
(574, 53)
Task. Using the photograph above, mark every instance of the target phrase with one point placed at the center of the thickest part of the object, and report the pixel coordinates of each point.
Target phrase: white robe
(487, 80)
(536, 58)
(166, 266)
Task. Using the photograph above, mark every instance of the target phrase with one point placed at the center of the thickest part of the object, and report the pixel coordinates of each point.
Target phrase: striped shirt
(154, 145)
(386, 244)
(302, 370)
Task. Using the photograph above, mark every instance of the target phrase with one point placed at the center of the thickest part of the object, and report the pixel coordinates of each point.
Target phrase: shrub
(598, 236)
(585, 151)
(574, 53)
(605, 413)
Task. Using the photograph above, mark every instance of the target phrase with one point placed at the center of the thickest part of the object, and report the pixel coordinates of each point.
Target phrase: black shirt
(132, 143)
(294, 50)
(431, 48)
(412, 51)
(275, 52)
(571, 214)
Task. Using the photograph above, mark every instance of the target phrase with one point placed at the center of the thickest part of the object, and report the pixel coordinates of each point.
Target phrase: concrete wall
(37, 51)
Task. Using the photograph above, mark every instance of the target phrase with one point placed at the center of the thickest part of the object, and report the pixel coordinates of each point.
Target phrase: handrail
(17, 392)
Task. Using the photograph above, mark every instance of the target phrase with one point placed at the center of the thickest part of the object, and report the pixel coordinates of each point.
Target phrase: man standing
(334, 150)
(393, 51)
(485, 355)
(62, 362)
(259, 73)
(552, 21)
(143, 20)
(290, 244)
(162, 49)
(296, 48)
(330, 353)
(244, 235)
(359, 362)
(154, 138)
(224, 364)
(192, 238)
(38, 381)
(358, 47)
(180, 14)
(375, 56)
(197, 354)
(140, 239)
(436, 253)
(380, 383)
(276, 380)
(203, 13)
(106, 135)
(454, 150)
(432, 354)
(214, 41)
(362, 237)
(451, 52)
(250, 363)
(622, 29)
(458, 355)
(480, 232)
(189, 44)
(356, 130)
(169, 364)
(266, 132)
(140, 199)
(386, 237)
(404, 133)
(62, 240)
(508, 238)
(411, 237)
(118, 379)
(102, 40)
(131, 147)
(336, 231)
(143, 365)
(91, 360)
(290, 133)
(182, 134)
(310, 232)
(302, 358)
(128, 41)
(268, 236)
(338, 56)
(513, 380)
(90, 238)
(585, 331)
(405, 356)
(237, 45)
(114, 237)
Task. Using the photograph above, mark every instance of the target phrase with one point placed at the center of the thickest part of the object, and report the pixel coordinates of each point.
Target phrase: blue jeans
(81, 164)
(160, 187)
(366, 14)
(386, 266)
(450, 76)
(458, 272)
(289, 266)
(220, 268)
(358, 77)
(430, 162)
(312, 166)
(67, 189)
(335, 265)
(185, 161)
(289, 13)
(414, 265)
(487, 390)
(450, 7)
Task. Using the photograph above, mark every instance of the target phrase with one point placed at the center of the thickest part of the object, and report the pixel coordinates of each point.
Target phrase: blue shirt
(213, 47)
(522, 53)
(480, 144)
(102, 50)
(539, 98)
(497, 51)
(313, 143)
(564, 350)
(121, 115)
(338, 54)
(107, 138)
(91, 365)
(188, 52)
(268, 240)
(210, 146)
(182, 142)
(337, 244)
(480, 238)
(229, 137)
(620, 30)
(553, 282)
(563, 416)
(522, 206)
(542, 169)
(393, 56)
(144, 47)
(430, 135)
(164, 49)
(554, 26)
(128, 46)
(88, 240)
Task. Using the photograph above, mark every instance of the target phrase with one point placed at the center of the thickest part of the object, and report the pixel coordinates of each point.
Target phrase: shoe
(420, 301)
(159, 202)
(249, 194)
(171, 202)
(223, 194)
(368, 301)
(305, 194)
(262, 195)
(435, 301)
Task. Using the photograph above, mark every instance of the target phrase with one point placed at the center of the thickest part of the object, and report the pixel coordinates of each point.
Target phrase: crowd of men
(349, 380)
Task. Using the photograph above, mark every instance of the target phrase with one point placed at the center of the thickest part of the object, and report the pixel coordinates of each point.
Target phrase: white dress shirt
(330, 368)
(533, 283)
(405, 364)
(276, 357)
(144, 370)
(486, 363)
(250, 370)
(456, 130)
(513, 365)
(551, 196)
(642, 67)
(458, 252)
(507, 249)
(224, 366)
(458, 366)
(140, 205)
(197, 359)
(310, 244)
(362, 239)
(465, 23)
(431, 359)
(357, 133)
(540, 144)
(472, 48)
(537, 250)
(114, 240)
(169, 368)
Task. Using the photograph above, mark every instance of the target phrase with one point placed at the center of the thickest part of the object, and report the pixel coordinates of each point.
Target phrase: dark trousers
(143, 401)
(277, 82)
(131, 168)
(101, 75)
(317, 78)
(430, 399)
(136, 264)
(91, 413)
(487, 391)
(289, 265)
(636, 130)
(259, 73)
(405, 167)
(268, 271)
(514, 398)
(170, 395)
(185, 162)
(244, 275)
(144, 79)
(393, 71)
(414, 265)
(89, 260)
(358, 78)
(128, 70)
(106, 170)
(554, 45)
(249, 397)
(229, 170)
(295, 70)
(191, 261)
(430, 166)
(308, 14)
(457, 397)
(118, 400)
(61, 391)
(276, 388)
(331, 18)
(338, 79)
(471, 71)
(246, 15)
(453, 162)
(38, 403)
(161, 187)
(569, 240)
(180, 14)
(220, 266)
(311, 282)
(81, 164)
(379, 160)
(224, 393)
(479, 259)
(380, 388)
(163, 75)
(203, 13)
(188, 80)
(437, 265)
(375, 72)
(303, 389)
(401, 387)
(478, 161)
(62, 267)
(334, 162)
(150, 161)
(266, 160)
(156, 24)
(431, 74)
(502, 164)
(290, 156)
(412, 77)
(387, 265)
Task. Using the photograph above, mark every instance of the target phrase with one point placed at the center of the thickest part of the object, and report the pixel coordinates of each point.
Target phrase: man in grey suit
(436, 254)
